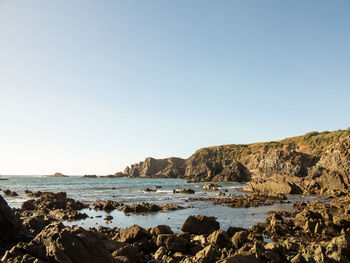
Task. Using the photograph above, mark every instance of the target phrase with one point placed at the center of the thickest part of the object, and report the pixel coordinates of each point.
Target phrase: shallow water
(130, 190)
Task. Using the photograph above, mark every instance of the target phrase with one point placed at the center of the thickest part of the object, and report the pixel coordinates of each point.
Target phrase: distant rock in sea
(90, 176)
(56, 175)
(116, 175)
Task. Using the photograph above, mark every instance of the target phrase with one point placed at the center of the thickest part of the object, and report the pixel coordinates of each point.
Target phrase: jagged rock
(172, 242)
(169, 167)
(10, 193)
(56, 205)
(50, 201)
(11, 229)
(206, 255)
(57, 243)
(140, 208)
(243, 257)
(233, 230)
(148, 190)
(37, 223)
(339, 248)
(239, 238)
(172, 207)
(187, 191)
(161, 229)
(219, 238)
(133, 234)
(106, 205)
(200, 224)
(210, 187)
(128, 251)
(33, 194)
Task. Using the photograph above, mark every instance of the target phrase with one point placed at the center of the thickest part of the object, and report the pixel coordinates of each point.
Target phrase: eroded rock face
(169, 167)
(12, 230)
(201, 168)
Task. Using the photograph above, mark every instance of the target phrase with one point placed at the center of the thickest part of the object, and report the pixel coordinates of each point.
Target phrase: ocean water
(131, 190)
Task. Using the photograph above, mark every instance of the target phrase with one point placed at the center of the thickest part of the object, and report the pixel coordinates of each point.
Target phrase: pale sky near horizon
(89, 87)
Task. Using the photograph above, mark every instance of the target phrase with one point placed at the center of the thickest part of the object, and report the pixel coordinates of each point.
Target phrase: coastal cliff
(315, 163)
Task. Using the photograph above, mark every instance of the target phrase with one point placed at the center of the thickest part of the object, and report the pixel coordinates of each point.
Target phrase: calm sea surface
(130, 190)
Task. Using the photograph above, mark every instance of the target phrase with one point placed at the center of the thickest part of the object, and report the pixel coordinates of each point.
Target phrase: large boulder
(200, 224)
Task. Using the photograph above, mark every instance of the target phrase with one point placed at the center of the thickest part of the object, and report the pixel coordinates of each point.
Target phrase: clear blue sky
(92, 86)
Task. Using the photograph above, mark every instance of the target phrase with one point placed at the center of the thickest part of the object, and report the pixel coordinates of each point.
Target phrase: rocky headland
(314, 164)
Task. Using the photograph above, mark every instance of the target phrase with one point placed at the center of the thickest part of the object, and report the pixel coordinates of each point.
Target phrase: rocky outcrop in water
(56, 205)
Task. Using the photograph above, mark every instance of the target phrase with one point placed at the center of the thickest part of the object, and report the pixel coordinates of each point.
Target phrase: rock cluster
(313, 232)
(56, 205)
(245, 201)
(10, 193)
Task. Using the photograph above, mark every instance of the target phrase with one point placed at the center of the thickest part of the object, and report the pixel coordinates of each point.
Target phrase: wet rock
(90, 176)
(210, 187)
(200, 224)
(69, 215)
(10, 193)
(106, 205)
(187, 191)
(148, 190)
(33, 194)
(108, 218)
(140, 208)
(50, 201)
(172, 207)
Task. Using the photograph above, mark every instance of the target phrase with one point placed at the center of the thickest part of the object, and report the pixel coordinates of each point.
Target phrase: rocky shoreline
(312, 232)
(312, 164)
